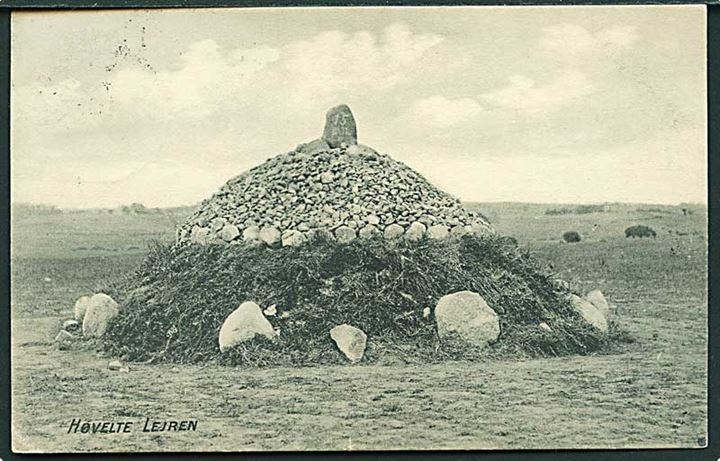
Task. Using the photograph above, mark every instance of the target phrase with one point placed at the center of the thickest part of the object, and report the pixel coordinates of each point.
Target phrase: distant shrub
(35, 208)
(580, 209)
(134, 208)
(639, 231)
(571, 237)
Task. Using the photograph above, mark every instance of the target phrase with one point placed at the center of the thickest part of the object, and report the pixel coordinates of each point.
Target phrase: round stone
(415, 232)
(369, 231)
(438, 232)
(270, 235)
(393, 231)
(344, 234)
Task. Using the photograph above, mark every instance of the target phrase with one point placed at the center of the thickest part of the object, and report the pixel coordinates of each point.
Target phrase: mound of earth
(336, 242)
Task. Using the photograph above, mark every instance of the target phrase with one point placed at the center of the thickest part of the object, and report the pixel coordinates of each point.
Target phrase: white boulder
(242, 325)
(350, 340)
(251, 234)
(229, 232)
(438, 232)
(598, 300)
(467, 315)
(345, 234)
(270, 235)
(100, 310)
(292, 238)
(80, 307)
(591, 314)
(416, 231)
(393, 231)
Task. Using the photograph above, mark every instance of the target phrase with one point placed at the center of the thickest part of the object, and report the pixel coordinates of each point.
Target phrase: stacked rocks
(331, 186)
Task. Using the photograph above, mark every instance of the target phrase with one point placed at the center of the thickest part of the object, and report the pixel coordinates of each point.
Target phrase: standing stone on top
(350, 340)
(100, 310)
(242, 325)
(591, 314)
(598, 300)
(340, 127)
(467, 315)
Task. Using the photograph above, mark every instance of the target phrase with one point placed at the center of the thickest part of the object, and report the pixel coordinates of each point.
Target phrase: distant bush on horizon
(35, 208)
(639, 231)
(580, 209)
(571, 237)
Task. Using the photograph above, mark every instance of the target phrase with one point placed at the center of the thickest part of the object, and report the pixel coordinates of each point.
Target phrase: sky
(534, 104)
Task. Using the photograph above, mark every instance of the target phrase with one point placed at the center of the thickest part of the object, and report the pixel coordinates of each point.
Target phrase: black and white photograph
(351, 229)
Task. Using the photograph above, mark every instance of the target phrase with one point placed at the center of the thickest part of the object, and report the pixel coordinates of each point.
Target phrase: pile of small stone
(331, 186)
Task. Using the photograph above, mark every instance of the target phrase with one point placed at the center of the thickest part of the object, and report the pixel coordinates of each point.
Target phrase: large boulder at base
(591, 314)
(100, 310)
(340, 127)
(467, 315)
(598, 300)
(350, 340)
(80, 307)
(243, 324)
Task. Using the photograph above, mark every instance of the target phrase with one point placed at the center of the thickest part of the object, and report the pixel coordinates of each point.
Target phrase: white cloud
(570, 39)
(205, 78)
(335, 60)
(208, 80)
(443, 112)
(522, 93)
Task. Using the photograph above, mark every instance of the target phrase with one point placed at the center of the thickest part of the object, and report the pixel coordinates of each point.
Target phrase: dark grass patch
(175, 304)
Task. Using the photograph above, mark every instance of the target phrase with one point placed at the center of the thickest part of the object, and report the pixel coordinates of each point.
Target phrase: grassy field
(650, 393)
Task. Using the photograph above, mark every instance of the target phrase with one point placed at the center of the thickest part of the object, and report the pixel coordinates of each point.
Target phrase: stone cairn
(331, 186)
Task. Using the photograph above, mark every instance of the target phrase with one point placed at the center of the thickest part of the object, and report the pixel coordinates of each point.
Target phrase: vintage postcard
(290, 229)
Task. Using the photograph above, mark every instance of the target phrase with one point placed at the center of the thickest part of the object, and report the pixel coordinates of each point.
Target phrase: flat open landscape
(648, 393)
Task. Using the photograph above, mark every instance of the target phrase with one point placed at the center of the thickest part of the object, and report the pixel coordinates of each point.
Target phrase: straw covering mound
(174, 306)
